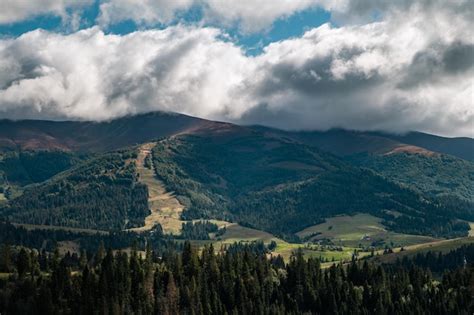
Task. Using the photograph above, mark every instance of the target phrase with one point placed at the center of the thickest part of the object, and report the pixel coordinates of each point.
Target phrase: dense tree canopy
(241, 281)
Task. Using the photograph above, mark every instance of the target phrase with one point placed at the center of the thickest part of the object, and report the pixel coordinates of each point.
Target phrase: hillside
(27, 167)
(283, 186)
(435, 176)
(432, 165)
(349, 142)
(93, 136)
(101, 193)
(460, 147)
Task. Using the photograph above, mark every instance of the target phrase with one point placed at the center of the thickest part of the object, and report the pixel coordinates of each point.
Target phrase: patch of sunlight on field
(2, 197)
(236, 233)
(359, 230)
(286, 250)
(471, 231)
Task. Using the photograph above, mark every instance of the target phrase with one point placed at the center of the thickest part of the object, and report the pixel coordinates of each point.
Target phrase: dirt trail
(165, 208)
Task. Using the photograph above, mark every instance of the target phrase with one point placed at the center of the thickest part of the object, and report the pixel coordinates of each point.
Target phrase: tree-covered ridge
(239, 281)
(436, 176)
(282, 186)
(101, 193)
(26, 167)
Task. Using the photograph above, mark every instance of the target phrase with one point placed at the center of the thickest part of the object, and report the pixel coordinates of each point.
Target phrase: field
(237, 233)
(437, 246)
(360, 230)
(165, 208)
(346, 234)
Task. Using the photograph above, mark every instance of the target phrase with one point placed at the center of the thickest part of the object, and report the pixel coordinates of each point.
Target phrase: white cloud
(143, 12)
(411, 71)
(90, 75)
(17, 10)
(248, 15)
(254, 15)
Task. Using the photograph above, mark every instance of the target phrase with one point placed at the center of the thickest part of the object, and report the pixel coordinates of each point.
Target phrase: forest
(242, 280)
(101, 193)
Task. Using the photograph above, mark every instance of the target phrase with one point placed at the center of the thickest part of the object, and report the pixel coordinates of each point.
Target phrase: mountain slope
(101, 193)
(460, 147)
(283, 186)
(93, 136)
(435, 176)
(348, 142)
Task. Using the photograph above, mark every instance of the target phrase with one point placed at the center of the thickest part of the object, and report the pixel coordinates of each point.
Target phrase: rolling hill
(86, 136)
(432, 165)
(349, 142)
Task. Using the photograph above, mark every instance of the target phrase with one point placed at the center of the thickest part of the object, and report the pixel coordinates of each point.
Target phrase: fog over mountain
(375, 65)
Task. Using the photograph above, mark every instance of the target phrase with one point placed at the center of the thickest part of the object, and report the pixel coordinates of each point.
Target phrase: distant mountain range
(82, 174)
(130, 130)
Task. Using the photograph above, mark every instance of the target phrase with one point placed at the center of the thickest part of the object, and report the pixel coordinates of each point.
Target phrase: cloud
(12, 11)
(411, 70)
(253, 15)
(143, 12)
(90, 75)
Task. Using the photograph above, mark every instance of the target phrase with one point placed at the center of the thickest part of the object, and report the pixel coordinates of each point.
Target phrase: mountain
(460, 147)
(348, 142)
(444, 172)
(277, 181)
(89, 136)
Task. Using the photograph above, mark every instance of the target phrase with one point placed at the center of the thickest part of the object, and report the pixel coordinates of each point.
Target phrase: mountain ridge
(135, 129)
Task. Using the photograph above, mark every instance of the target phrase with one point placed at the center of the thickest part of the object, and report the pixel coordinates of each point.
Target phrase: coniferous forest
(241, 280)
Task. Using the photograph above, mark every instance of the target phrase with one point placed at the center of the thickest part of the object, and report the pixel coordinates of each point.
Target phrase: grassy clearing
(360, 230)
(287, 249)
(237, 233)
(437, 246)
(348, 233)
(165, 208)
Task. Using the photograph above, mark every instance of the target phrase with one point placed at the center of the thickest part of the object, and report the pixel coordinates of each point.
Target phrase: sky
(383, 65)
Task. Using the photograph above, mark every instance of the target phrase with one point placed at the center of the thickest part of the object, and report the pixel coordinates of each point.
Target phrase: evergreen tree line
(200, 230)
(438, 262)
(232, 282)
(48, 239)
